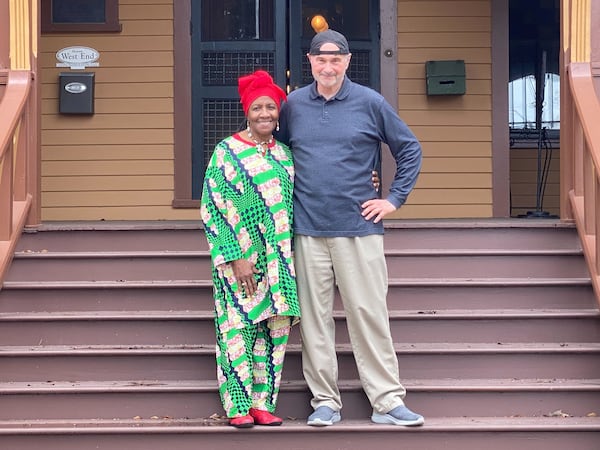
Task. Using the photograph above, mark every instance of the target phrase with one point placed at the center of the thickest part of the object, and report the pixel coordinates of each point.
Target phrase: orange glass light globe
(318, 23)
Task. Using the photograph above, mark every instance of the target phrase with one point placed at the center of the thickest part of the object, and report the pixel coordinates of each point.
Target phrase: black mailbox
(76, 95)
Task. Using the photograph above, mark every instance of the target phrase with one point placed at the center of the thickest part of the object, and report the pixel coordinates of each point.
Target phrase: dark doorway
(231, 38)
(534, 107)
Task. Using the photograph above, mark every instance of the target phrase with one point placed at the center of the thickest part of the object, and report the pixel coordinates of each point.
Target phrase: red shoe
(265, 417)
(242, 422)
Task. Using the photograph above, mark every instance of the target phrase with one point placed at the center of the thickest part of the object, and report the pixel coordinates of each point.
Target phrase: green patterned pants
(249, 365)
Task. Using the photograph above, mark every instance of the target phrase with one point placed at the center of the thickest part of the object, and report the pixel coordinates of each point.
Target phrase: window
(350, 17)
(59, 16)
(523, 103)
(237, 20)
(534, 87)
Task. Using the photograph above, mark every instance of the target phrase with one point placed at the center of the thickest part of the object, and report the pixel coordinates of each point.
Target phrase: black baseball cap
(331, 37)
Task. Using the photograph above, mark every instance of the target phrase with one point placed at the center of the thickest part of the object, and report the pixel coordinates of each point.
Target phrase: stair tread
(442, 251)
(392, 282)
(98, 254)
(217, 424)
(491, 281)
(390, 224)
(492, 251)
(414, 385)
(105, 284)
(421, 347)
(393, 314)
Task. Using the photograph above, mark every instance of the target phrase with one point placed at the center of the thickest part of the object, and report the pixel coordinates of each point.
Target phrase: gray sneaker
(323, 416)
(400, 415)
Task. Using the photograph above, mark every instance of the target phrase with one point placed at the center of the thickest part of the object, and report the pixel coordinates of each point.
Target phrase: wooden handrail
(584, 136)
(15, 199)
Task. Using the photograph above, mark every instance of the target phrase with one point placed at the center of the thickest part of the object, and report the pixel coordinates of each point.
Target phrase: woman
(246, 209)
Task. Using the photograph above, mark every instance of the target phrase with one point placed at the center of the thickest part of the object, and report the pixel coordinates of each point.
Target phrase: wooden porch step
(543, 433)
(154, 424)
(144, 295)
(94, 236)
(491, 292)
(197, 326)
(407, 234)
(186, 265)
(163, 362)
(508, 397)
(403, 293)
(480, 234)
(108, 343)
(110, 266)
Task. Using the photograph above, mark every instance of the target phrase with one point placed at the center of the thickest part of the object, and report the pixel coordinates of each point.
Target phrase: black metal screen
(221, 118)
(224, 68)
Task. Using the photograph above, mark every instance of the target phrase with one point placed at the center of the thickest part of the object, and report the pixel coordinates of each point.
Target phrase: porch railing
(15, 149)
(581, 177)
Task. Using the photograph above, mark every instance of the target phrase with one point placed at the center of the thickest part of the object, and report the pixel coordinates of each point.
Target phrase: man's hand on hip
(376, 209)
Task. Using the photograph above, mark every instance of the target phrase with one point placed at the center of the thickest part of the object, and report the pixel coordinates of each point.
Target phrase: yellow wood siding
(455, 131)
(523, 187)
(118, 163)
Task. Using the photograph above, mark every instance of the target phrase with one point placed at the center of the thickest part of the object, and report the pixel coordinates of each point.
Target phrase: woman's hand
(375, 180)
(244, 272)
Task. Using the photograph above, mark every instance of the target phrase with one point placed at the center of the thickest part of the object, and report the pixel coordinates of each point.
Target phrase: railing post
(566, 137)
(584, 191)
(4, 34)
(15, 200)
(6, 182)
(596, 225)
(19, 129)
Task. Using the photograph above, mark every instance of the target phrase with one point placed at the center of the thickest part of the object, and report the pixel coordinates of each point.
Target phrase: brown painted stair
(106, 341)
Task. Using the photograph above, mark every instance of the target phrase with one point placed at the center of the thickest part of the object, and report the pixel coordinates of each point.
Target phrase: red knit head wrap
(256, 85)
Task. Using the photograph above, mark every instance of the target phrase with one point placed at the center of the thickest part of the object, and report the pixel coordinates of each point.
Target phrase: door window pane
(349, 17)
(237, 20)
(534, 48)
(524, 107)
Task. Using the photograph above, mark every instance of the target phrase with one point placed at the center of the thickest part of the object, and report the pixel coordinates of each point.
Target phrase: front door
(231, 38)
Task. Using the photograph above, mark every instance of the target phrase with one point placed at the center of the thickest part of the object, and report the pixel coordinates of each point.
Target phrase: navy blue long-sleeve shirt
(336, 144)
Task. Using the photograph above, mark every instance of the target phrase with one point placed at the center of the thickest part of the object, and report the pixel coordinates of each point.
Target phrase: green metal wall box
(445, 77)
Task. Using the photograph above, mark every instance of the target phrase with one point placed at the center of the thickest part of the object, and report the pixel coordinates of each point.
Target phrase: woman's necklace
(262, 146)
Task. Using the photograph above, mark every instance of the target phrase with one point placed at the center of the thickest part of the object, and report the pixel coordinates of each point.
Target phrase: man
(335, 128)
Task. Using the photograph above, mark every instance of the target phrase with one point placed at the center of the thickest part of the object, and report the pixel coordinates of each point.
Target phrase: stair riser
(119, 269)
(424, 298)
(481, 238)
(433, 298)
(403, 238)
(473, 266)
(94, 299)
(101, 240)
(296, 404)
(174, 267)
(418, 329)
(303, 439)
(202, 366)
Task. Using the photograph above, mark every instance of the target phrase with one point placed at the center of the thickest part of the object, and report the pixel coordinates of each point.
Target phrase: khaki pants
(357, 265)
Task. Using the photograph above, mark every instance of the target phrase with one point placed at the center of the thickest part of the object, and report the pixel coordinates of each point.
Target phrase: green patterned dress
(246, 209)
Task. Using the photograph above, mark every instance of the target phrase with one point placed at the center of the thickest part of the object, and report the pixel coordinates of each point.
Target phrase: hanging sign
(77, 57)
